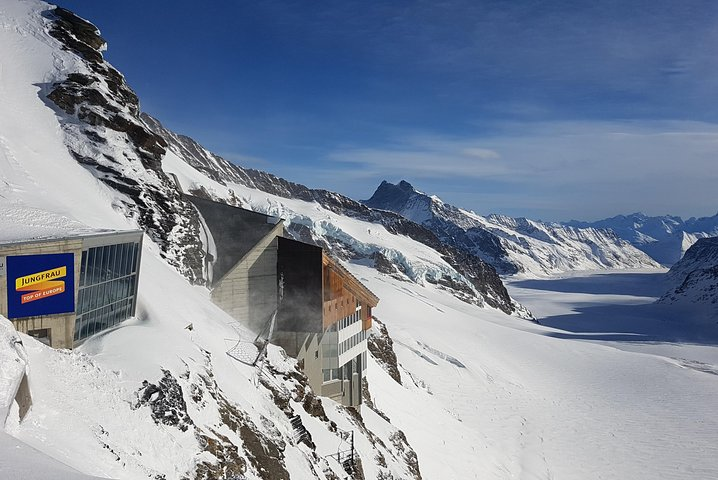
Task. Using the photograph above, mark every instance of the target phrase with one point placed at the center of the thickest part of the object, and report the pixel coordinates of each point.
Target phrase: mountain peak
(406, 186)
(389, 196)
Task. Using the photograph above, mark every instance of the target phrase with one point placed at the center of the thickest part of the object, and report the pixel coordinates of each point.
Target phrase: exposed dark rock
(76, 34)
(383, 264)
(166, 402)
(100, 99)
(369, 402)
(265, 454)
(401, 444)
(229, 465)
(313, 406)
(381, 347)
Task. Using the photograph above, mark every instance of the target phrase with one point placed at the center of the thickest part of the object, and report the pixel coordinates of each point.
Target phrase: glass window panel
(112, 295)
(127, 253)
(117, 314)
(135, 252)
(115, 261)
(99, 320)
(107, 294)
(90, 266)
(80, 298)
(101, 298)
(121, 289)
(91, 324)
(109, 262)
(123, 259)
(105, 263)
(85, 297)
(125, 287)
(98, 265)
(81, 327)
(90, 300)
(120, 260)
(131, 308)
(128, 259)
(99, 292)
(83, 262)
(105, 318)
(133, 279)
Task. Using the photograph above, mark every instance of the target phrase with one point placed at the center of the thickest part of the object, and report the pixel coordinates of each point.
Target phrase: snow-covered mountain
(349, 229)
(694, 278)
(665, 238)
(512, 245)
(455, 390)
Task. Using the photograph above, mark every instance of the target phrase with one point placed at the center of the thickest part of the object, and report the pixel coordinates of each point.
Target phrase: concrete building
(65, 289)
(323, 313)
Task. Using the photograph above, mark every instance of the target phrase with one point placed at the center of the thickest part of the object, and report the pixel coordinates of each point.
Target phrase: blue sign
(40, 284)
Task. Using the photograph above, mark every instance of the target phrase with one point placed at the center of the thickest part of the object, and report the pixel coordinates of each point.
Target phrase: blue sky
(545, 109)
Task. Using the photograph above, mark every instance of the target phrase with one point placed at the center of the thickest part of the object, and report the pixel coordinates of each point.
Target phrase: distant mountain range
(511, 245)
(665, 238)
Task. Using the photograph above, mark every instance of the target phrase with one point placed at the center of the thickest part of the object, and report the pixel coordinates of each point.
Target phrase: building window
(43, 335)
(108, 280)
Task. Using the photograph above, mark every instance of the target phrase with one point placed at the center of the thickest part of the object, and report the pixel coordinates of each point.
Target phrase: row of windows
(352, 341)
(355, 365)
(346, 321)
(101, 264)
(102, 318)
(96, 296)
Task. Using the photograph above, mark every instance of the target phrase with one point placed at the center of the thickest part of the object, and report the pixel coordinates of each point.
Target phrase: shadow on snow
(636, 319)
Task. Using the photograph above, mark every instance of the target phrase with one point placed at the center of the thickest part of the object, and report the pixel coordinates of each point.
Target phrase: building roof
(351, 282)
(20, 223)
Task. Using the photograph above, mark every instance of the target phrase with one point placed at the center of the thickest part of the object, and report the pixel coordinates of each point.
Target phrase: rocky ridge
(511, 245)
(694, 278)
(100, 117)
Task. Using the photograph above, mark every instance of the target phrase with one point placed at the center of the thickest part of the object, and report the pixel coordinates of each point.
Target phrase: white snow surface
(538, 402)
(606, 389)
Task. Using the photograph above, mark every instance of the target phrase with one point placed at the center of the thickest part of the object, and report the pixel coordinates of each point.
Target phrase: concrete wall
(249, 291)
(311, 358)
(235, 232)
(61, 326)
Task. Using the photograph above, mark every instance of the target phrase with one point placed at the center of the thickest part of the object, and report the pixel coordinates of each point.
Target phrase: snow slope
(518, 400)
(511, 245)
(151, 398)
(484, 394)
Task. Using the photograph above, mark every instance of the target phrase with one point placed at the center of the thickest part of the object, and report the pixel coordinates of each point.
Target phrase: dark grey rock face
(99, 113)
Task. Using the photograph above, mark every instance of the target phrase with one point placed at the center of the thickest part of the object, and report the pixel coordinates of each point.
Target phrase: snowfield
(609, 386)
(532, 402)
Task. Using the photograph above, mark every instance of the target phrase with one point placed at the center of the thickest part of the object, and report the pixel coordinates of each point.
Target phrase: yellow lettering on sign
(26, 282)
